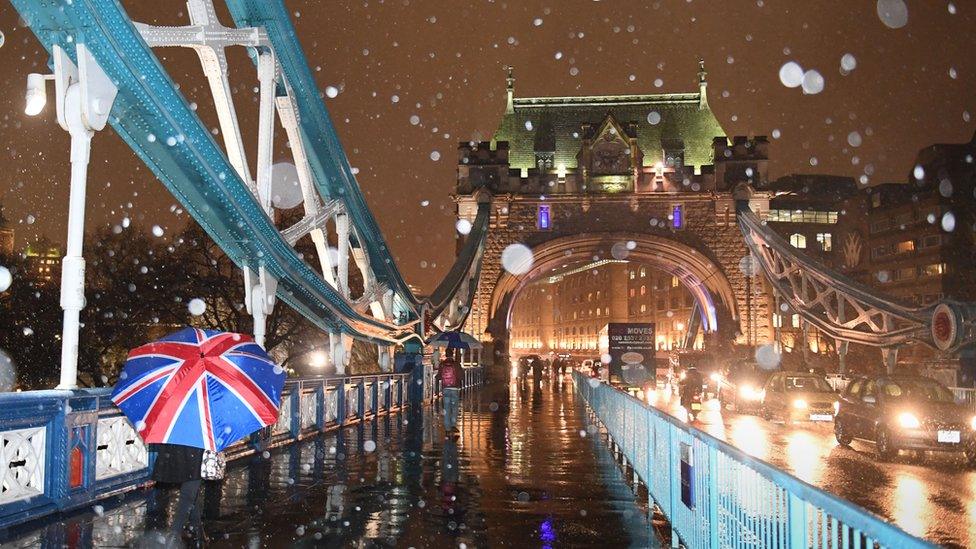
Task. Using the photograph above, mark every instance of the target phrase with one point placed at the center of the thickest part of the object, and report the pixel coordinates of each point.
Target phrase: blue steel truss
(156, 121)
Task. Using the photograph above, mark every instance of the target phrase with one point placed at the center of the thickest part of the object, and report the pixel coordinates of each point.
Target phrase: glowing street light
(318, 360)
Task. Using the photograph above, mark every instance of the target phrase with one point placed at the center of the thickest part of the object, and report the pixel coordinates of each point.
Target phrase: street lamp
(36, 96)
(318, 360)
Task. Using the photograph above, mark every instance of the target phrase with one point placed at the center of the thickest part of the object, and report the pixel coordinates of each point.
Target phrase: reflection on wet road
(933, 496)
(525, 471)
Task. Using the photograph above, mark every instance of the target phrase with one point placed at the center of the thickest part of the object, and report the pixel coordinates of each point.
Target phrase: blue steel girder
(157, 123)
(468, 260)
(327, 158)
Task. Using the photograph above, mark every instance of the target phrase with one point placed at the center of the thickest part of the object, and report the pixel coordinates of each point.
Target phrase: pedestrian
(450, 375)
(188, 467)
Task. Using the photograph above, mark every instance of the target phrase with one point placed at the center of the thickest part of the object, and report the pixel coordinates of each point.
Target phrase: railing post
(341, 403)
(674, 473)
(797, 521)
(713, 514)
(361, 401)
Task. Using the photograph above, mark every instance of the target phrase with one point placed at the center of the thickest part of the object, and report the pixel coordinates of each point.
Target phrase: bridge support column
(85, 98)
(841, 356)
(889, 356)
(385, 357)
(340, 345)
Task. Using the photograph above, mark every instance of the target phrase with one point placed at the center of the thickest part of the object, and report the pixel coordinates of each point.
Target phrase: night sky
(443, 60)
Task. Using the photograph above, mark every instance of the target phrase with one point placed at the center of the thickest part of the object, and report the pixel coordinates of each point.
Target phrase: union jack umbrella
(200, 388)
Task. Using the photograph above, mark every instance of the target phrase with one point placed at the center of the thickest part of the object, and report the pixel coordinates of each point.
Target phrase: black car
(904, 412)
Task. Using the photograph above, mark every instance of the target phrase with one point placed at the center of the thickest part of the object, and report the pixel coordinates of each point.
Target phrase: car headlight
(908, 421)
(800, 404)
(972, 423)
(748, 392)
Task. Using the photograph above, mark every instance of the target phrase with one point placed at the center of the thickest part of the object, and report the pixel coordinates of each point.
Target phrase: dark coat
(176, 463)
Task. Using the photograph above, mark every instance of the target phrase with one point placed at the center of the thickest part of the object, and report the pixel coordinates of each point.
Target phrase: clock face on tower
(610, 157)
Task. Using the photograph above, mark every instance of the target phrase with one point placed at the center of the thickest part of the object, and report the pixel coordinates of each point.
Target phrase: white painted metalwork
(838, 306)
(352, 399)
(331, 411)
(283, 425)
(22, 455)
(310, 406)
(120, 449)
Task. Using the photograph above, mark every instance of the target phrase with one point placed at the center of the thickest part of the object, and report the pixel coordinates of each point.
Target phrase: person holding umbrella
(192, 394)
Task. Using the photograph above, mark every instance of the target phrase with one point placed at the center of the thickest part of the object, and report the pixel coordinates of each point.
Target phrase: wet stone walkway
(526, 471)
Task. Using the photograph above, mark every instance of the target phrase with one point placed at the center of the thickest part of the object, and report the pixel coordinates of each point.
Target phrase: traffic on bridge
(413, 274)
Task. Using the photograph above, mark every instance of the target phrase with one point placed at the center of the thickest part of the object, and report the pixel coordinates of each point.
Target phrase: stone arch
(700, 273)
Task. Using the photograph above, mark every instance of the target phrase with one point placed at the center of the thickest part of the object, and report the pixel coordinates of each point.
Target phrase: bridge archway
(701, 275)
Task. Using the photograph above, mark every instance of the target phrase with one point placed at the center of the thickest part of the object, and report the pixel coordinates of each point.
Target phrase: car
(904, 412)
(798, 396)
(744, 388)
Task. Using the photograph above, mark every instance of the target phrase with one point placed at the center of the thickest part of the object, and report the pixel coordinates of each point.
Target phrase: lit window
(631, 292)
(777, 321)
(643, 272)
(674, 282)
(677, 216)
(795, 321)
(643, 290)
(643, 308)
(905, 246)
(632, 274)
(543, 217)
(797, 240)
(824, 239)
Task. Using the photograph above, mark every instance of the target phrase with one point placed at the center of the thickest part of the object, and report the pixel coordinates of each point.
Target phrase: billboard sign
(631, 349)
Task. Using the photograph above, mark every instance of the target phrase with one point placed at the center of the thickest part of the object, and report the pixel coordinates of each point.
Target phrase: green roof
(559, 120)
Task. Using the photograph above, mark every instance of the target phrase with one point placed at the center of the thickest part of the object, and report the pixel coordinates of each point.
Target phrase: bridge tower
(651, 177)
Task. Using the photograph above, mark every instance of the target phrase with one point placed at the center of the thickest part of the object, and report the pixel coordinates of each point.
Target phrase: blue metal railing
(61, 450)
(715, 495)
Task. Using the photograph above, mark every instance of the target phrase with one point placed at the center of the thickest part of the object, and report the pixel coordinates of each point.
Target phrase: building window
(880, 225)
(905, 247)
(660, 304)
(824, 239)
(933, 269)
(643, 308)
(802, 216)
(777, 320)
(643, 272)
(799, 241)
(544, 217)
(932, 241)
(678, 216)
(880, 251)
(674, 282)
(795, 321)
(643, 290)
(633, 274)
(631, 292)
(907, 273)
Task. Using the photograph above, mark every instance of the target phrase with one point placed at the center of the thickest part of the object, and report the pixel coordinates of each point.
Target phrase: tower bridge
(575, 180)
(652, 178)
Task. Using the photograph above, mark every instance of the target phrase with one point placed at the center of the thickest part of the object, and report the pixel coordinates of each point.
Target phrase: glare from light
(972, 423)
(683, 376)
(36, 96)
(836, 407)
(716, 377)
(318, 360)
(800, 404)
(908, 421)
(748, 392)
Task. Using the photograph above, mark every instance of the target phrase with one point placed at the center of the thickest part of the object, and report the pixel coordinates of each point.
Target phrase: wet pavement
(526, 471)
(931, 496)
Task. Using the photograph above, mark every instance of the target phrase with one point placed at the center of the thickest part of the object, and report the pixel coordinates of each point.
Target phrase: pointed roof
(683, 116)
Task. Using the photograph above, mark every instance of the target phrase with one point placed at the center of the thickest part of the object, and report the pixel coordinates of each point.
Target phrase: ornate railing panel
(22, 464)
(119, 448)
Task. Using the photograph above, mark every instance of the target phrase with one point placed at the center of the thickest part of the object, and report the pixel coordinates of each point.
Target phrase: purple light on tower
(543, 219)
(677, 217)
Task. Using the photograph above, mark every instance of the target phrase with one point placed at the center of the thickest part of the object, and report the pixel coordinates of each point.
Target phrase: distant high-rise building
(44, 261)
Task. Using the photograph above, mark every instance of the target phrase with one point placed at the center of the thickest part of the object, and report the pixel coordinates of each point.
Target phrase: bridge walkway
(525, 470)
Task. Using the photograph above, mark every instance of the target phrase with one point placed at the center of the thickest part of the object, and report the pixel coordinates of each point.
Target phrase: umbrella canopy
(455, 340)
(200, 388)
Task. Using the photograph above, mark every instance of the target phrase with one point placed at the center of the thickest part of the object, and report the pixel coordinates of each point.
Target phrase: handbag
(212, 465)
